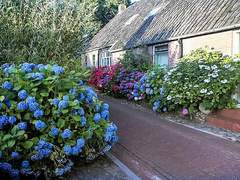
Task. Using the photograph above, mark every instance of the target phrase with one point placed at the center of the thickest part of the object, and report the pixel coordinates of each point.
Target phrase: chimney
(121, 8)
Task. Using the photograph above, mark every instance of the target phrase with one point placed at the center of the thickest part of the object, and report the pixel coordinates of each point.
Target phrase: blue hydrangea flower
(67, 150)
(59, 171)
(105, 106)
(83, 121)
(97, 117)
(81, 112)
(76, 150)
(44, 150)
(80, 83)
(22, 125)
(27, 67)
(22, 94)
(55, 101)
(67, 133)
(5, 166)
(164, 109)
(81, 97)
(54, 131)
(80, 142)
(22, 106)
(73, 91)
(15, 155)
(12, 120)
(39, 125)
(30, 99)
(97, 108)
(7, 102)
(25, 164)
(38, 113)
(105, 114)
(7, 85)
(14, 173)
(62, 104)
(36, 76)
(3, 121)
(66, 98)
(57, 69)
(33, 106)
(155, 108)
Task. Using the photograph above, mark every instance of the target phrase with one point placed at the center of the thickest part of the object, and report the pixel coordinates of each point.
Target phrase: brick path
(157, 149)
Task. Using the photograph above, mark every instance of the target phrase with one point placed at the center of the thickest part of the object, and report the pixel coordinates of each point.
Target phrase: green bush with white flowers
(202, 80)
(48, 118)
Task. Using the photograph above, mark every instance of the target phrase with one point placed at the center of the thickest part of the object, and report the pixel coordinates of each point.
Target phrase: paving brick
(150, 145)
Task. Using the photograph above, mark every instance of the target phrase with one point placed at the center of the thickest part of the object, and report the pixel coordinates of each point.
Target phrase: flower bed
(202, 81)
(102, 76)
(48, 118)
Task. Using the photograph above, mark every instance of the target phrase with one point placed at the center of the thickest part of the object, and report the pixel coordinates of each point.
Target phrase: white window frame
(106, 59)
(154, 52)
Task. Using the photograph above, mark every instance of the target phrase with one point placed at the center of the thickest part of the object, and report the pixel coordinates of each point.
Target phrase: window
(94, 60)
(106, 59)
(161, 55)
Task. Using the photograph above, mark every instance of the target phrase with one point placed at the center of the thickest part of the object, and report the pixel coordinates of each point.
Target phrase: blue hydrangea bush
(48, 118)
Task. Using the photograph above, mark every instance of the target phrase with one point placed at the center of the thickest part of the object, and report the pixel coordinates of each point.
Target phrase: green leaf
(7, 137)
(77, 118)
(60, 123)
(65, 111)
(20, 133)
(27, 116)
(2, 98)
(11, 143)
(44, 94)
(28, 144)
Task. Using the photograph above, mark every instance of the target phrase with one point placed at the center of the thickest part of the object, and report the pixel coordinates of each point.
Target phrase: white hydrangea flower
(206, 80)
(210, 93)
(175, 82)
(214, 75)
(236, 60)
(227, 66)
(203, 91)
(207, 67)
(169, 98)
(214, 67)
(224, 81)
(196, 86)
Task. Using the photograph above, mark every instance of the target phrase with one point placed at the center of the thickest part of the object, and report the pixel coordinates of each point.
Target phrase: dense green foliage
(133, 61)
(44, 31)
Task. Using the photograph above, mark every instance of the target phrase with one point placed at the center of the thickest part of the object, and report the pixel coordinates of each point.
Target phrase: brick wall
(220, 41)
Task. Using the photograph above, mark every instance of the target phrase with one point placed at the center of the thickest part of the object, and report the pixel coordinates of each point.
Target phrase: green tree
(107, 9)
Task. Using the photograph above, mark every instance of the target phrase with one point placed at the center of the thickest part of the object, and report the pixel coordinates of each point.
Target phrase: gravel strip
(101, 168)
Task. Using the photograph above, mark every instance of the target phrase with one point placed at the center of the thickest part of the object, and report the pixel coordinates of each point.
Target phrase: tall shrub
(44, 30)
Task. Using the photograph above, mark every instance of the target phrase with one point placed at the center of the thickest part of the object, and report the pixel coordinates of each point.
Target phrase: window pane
(161, 58)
